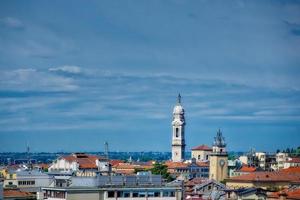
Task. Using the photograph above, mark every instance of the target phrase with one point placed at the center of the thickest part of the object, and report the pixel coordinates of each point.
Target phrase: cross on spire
(179, 98)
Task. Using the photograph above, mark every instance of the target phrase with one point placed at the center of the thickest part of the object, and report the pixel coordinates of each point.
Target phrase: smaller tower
(218, 166)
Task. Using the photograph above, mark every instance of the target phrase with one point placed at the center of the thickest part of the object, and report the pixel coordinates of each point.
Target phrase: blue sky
(74, 74)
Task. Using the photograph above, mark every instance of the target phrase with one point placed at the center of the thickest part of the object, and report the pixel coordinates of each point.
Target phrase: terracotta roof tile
(288, 175)
(203, 148)
(294, 160)
(172, 165)
(290, 194)
(115, 162)
(203, 164)
(16, 193)
(85, 161)
(247, 169)
(291, 170)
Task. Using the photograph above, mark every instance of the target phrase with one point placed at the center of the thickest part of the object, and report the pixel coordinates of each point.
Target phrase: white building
(81, 164)
(138, 187)
(281, 158)
(178, 124)
(244, 159)
(261, 157)
(292, 162)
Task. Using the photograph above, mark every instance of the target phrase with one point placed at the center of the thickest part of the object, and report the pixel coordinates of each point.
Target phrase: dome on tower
(178, 109)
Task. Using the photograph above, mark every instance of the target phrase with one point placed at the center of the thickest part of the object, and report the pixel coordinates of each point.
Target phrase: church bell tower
(178, 123)
(218, 167)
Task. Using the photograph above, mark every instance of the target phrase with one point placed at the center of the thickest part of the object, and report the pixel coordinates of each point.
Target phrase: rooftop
(293, 160)
(85, 161)
(14, 193)
(246, 168)
(287, 175)
(289, 193)
(202, 148)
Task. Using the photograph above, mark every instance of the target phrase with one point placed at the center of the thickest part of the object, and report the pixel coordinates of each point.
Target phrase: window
(119, 194)
(176, 132)
(172, 194)
(168, 194)
(154, 194)
(139, 194)
(199, 157)
(157, 194)
(142, 194)
(135, 194)
(126, 194)
(110, 194)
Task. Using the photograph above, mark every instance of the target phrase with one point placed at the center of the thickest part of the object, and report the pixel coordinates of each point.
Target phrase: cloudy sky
(74, 74)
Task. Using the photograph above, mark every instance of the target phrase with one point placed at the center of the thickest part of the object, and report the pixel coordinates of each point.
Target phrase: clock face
(222, 163)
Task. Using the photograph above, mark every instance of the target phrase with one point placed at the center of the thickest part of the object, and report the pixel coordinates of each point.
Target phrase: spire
(179, 98)
(219, 140)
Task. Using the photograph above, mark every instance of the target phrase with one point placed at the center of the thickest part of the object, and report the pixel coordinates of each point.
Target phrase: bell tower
(218, 166)
(178, 123)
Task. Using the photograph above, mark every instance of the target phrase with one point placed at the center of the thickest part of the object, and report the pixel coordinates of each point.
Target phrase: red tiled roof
(247, 169)
(85, 161)
(172, 165)
(288, 175)
(291, 170)
(294, 160)
(290, 194)
(10, 193)
(115, 162)
(203, 148)
(203, 164)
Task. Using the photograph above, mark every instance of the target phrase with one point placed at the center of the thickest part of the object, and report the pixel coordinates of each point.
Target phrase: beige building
(201, 153)
(218, 167)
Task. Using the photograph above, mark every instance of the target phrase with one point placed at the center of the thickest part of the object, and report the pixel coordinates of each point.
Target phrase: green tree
(278, 151)
(159, 168)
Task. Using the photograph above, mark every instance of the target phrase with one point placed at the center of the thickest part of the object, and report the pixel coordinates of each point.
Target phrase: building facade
(139, 187)
(178, 127)
(201, 153)
(218, 167)
(81, 164)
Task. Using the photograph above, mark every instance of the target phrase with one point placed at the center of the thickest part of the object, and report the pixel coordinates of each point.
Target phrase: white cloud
(72, 69)
(12, 22)
(29, 79)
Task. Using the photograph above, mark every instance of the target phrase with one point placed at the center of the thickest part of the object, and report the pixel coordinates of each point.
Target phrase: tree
(278, 151)
(161, 169)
